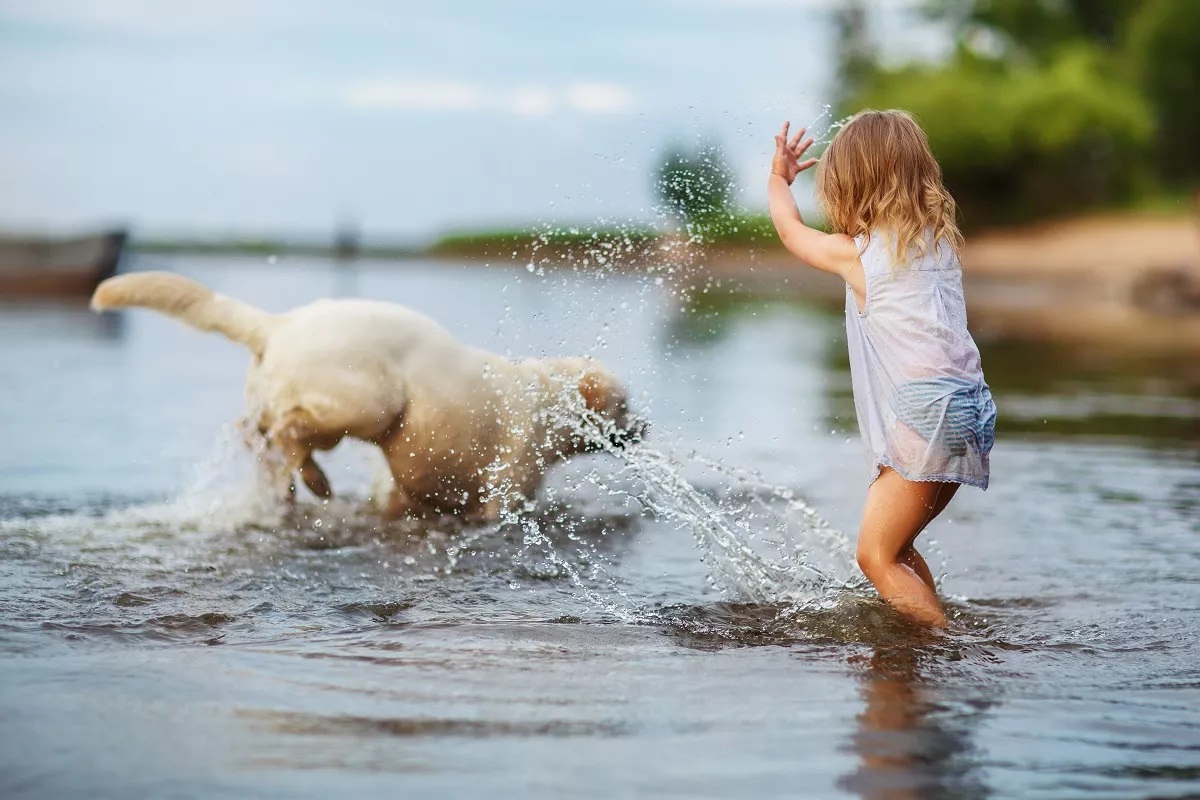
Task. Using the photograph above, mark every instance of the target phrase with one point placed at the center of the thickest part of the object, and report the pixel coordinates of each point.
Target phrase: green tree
(697, 186)
(1164, 46)
(1039, 27)
(1021, 141)
(1049, 122)
(854, 54)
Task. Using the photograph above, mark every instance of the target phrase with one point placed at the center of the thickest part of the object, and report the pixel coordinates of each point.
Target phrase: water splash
(809, 563)
(226, 492)
(825, 136)
(760, 543)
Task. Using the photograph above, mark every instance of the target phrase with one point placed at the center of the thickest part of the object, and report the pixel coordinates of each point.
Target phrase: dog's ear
(595, 389)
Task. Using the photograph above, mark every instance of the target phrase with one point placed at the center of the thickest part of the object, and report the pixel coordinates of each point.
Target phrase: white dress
(923, 406)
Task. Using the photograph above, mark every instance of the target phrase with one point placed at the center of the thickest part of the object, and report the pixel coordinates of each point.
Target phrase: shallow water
(679, 623)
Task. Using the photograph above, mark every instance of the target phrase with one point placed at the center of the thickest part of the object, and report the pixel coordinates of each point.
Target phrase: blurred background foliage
(1038, 109)
(697, 188)
(1046, 107)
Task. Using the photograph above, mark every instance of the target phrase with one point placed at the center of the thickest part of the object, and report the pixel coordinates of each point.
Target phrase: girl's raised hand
(786, 163)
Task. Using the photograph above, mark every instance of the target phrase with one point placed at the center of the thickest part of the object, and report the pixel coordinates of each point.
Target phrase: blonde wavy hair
(878, 173)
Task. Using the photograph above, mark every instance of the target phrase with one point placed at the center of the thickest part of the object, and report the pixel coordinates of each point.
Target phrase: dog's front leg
(254, 436)
(278, 466)
(509, 488)
(400, 505)
(289, 451)
(314, 479)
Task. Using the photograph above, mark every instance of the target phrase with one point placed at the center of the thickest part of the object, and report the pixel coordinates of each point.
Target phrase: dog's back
(354, 365)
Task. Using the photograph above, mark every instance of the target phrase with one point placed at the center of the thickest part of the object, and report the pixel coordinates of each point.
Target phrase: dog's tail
(188, 302)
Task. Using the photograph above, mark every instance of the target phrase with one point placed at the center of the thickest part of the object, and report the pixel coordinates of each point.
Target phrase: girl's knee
(871, 559)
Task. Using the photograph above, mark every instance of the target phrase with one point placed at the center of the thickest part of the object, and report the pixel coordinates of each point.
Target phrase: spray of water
(760, 543)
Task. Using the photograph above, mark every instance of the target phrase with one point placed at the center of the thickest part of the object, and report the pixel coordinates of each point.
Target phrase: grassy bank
(631, 244)
(273, 247)
(544, 242)
(726, 232)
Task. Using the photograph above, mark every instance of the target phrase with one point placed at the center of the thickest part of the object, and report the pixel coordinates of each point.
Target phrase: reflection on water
(1049, 388)
(910, 742)
(681, 622)
(67, 321)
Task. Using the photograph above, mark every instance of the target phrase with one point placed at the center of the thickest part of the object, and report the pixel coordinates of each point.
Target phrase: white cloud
(441, 96)
(599, 98)
(408, 95)
(531, 101)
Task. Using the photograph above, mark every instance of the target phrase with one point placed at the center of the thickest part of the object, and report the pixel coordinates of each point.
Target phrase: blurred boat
(45, 267)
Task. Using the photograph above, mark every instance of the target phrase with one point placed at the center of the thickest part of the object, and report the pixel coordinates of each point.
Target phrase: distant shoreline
(1032, 249)
(501, 244)
(1125, 281)
(1129, 279)
(269, 247)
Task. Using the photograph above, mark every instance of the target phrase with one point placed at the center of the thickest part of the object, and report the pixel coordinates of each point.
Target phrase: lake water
(682, 623)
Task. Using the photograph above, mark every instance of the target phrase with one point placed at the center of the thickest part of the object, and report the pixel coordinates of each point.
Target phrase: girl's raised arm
(835, 252)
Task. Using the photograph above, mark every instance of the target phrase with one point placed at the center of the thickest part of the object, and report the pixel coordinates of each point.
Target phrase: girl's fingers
(796, 139)
(803, 165)
(783, 133)
(799, 151)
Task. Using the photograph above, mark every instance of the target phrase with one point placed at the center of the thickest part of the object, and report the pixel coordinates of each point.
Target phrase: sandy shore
(1118, 280)
(1129, 281)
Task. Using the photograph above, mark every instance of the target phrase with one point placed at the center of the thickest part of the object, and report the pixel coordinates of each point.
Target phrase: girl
(925, 413)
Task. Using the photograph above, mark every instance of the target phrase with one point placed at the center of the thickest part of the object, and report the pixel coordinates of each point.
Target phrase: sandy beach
(1124, 281)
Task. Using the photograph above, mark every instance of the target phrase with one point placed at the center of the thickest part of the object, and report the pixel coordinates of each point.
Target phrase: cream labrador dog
(464, 431)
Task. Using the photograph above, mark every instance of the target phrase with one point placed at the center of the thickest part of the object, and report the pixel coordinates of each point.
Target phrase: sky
(405, 119)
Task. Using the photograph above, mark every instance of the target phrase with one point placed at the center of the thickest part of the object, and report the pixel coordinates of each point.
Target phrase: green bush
(1023, 138)
(1163, 45)
(1050, 106)
(697, 188)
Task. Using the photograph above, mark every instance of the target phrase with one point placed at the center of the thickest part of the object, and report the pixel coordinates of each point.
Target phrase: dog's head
(606, 404)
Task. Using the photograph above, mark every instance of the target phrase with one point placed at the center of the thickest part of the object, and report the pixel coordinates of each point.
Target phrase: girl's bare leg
(909, 555)
(896, 511)
(910, 558)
